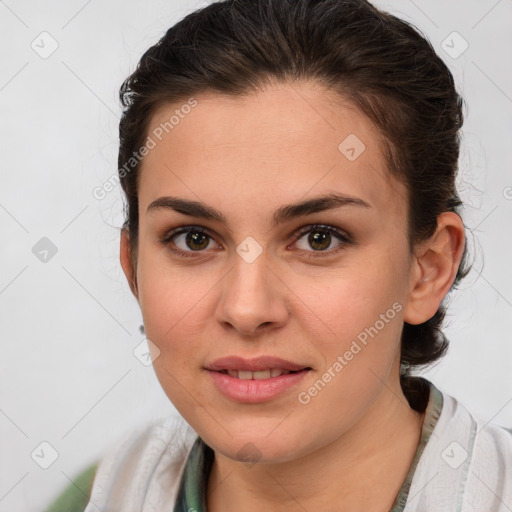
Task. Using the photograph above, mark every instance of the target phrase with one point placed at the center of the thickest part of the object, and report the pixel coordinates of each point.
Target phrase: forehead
(286, 140)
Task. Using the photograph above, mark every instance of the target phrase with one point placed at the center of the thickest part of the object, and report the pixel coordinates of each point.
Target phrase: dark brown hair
(380, 63)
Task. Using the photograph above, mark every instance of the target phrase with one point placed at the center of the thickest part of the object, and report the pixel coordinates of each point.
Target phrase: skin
(354, 442)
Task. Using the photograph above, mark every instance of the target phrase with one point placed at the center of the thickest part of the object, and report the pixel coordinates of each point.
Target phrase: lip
(254, 391)
(255, 364)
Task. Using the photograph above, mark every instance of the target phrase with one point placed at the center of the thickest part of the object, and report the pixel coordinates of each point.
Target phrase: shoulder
(481, 443)
(489, 466)
(466, 464)
(144, 468)
(141, 459)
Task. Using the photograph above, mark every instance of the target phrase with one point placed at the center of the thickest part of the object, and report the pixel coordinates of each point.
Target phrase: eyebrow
(281, 215)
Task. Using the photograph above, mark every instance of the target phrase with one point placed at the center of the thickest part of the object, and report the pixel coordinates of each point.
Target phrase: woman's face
(255, 278)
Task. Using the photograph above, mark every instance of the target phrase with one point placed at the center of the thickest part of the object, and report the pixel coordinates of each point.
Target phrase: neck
(363, 469)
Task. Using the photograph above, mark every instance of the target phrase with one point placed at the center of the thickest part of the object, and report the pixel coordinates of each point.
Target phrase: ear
(127, 262)
(434, 267)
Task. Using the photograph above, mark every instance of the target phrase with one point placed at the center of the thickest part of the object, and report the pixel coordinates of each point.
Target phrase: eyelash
(343, 237)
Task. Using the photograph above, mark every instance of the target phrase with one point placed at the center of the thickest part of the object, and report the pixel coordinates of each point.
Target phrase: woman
(292, 228)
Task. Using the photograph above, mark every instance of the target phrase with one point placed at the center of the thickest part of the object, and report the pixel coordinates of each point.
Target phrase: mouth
(255, 380)
(262, 367)
(270, 373)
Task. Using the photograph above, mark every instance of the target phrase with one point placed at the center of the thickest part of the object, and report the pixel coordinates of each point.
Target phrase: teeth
(259, 375)
(262, 374)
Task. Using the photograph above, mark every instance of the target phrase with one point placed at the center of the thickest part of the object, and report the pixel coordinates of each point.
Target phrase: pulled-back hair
(380, 63)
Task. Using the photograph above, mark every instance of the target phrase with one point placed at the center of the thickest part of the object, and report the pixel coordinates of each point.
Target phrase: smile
(258, 375)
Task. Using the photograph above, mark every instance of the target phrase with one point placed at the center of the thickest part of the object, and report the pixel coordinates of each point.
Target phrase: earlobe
(126, 261)
(436, 262)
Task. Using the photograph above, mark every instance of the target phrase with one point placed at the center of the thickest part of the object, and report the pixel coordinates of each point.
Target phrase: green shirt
(76, 495)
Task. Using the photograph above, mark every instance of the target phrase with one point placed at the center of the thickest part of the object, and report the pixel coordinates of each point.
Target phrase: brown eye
(320, 239)
(187, 241)
(196, 240)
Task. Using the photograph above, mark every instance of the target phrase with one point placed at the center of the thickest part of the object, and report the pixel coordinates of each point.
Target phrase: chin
(259, 452)
(258, 448)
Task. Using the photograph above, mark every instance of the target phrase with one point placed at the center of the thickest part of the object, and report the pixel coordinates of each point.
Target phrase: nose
(253, 298)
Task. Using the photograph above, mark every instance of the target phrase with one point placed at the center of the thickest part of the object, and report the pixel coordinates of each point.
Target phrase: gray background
(70, 324)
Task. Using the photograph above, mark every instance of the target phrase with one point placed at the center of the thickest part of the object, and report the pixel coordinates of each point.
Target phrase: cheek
(359, 346)
(176, 304)
(174, 320)
(356, 327)
(171, 296)
(345, 302)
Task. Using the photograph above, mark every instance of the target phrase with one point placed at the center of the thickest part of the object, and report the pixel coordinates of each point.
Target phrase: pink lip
(254, 365)
(254, 391)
